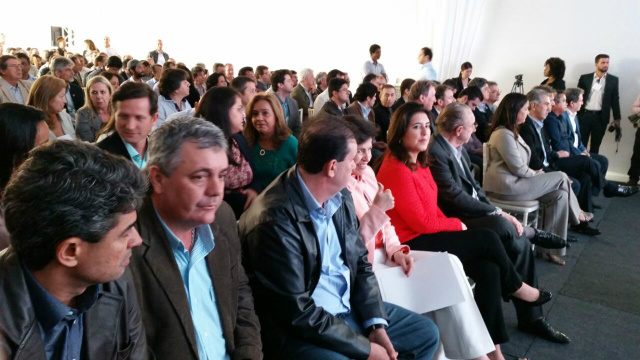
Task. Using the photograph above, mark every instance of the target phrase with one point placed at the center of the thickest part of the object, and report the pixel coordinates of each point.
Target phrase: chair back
(485, 159)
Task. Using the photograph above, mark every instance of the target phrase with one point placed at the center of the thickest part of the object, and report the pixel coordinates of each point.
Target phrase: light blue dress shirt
(166, 107)
(538, 126)
(365, 111)
(137, 159)
(285, 106)
(333, 290)
(427, 72)
(71, 109)
(199, 290)
(371, 68)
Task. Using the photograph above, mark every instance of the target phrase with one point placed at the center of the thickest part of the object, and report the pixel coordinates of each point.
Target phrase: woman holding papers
(420, 224)
(462, 330)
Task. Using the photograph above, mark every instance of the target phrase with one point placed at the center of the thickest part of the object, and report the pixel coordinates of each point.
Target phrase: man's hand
(586, 153)
(251, 195)
(563, 154)
(404, 261)
(380, 338)
(515, 222)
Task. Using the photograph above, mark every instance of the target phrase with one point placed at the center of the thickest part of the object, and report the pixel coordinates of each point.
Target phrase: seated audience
(554, 71)
(321, 84)
(12, 88)
(218, 68)
(405, 87)
(97, 109)
(282, 86)
(21, 129)
(423, 92)
(216, 79)
(248, 72)
(444, 97)
(246, 87)
(460, 196)
(339, 91)
(198, 73)
(135, 112)
(294, 78)
(195, 298)
(113, 66)
(174, 88)
(114, 80)
(135, 71)
(472, 96)
(303, 92)
(228, 71)
(26, 67)
(421, 225)
(223, 108)
(324, 96)
(494, 96)
(62, 68)
(320, 299)
(48, 95)
(481, 111)
(464, 334)
(366, 95)
(156, 71)
(64, 281)
(264, 78)
(273, 147)
(384, 110)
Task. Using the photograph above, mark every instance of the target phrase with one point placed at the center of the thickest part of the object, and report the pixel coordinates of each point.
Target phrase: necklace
(262, 152)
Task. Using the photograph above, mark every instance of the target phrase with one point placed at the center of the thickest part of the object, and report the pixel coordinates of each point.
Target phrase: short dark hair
(114, 62)
(154, 67)
(363, 129)
(4, 59)
(68, 189)
(373, 48)
(427, 52)
(405, 85)
(573, 94)
(332, 75)
(197, 70)
(170, 81)
(365, 90)
(212, 80)
(440, 90)
(335, 85)
(418, 88)
(239, 83)
(243, 71)
(22, 55)
(18, 129)
(278, 77)
(369, 77)
(109, 76)
(261, 69)
(99, 59)
(466, 65)
(472, 93)
(323, 139)
(601, 56)
(507, 113)
(214, 107)
(217, 65)
(134, 90)
(556, 67)
(452, 83)
(478, 82)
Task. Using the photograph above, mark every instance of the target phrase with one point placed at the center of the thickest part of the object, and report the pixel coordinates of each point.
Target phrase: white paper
(432, 284)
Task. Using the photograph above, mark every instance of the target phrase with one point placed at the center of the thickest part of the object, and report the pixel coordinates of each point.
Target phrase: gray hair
(165, 143)
(573, 94)
(418, 88)
(478, 82)
(60, 62)
(535, 95)
(451, 117)
(305, 73)
(68, 189)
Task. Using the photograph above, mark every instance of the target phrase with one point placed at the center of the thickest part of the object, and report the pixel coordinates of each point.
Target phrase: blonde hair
(281, 130)
(42, 91)
(87, 91)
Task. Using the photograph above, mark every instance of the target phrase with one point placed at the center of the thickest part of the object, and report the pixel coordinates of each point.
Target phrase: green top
(271, 163)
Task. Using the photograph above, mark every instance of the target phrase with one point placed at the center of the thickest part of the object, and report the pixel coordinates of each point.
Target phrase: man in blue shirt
(64, 288)
(316, 294)
(282, 86)
(373, 66)
(195, 298)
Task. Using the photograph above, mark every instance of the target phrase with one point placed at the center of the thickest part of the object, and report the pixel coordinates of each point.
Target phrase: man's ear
(329, 169)
(156, 179)
(69, 251)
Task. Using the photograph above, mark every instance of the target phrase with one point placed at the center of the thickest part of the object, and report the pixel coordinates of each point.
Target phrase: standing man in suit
(158, 56)
(282, 86)
(303, 92)
(339, 90)
(195, 298)
(136, 113)
(12, 88)
(62, 68)
(460, 196)
(601, 97)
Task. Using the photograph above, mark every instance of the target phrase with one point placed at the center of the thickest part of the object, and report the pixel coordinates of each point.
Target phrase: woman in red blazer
(421, 225)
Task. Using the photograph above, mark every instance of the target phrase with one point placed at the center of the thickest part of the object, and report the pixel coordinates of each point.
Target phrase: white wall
(516, 37)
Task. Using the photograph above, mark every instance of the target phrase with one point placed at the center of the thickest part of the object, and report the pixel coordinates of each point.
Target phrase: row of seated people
(274, 242)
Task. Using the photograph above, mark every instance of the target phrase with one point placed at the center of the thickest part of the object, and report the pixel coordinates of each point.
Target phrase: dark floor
(596, 294)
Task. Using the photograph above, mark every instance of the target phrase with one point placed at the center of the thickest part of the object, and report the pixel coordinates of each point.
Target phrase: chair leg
(525, 218)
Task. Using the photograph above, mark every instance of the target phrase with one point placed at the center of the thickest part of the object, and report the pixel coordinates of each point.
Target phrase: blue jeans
(413, 336)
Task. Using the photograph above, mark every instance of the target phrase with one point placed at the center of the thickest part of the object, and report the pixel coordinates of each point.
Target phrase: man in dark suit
(195, 297)
(339, 95)
(316, 294)
(158, 56)
(384, 111)
(136, 113)
(264, 78)
(303, 92)
(282, 86)
(424, 92)
(62, 68)
(459, 195)
(601, 97)
(65, 289)
(366, 95)
(405, 86)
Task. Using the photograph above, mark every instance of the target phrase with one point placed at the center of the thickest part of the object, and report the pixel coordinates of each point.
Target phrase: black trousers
(486, 262)
(518, 249)
(634, 170)
(592, 125)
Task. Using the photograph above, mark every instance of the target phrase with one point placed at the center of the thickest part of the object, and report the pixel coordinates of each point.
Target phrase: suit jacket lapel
(587, 91)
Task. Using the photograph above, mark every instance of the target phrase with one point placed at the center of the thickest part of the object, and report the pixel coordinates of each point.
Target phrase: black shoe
(571, 238)
(621, 191)
(584, 228)
(548, 240)
(541, 328)
(544, 298)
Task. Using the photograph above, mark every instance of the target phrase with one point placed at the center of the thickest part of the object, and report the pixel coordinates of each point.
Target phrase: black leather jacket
(112, 326)
(282, 258)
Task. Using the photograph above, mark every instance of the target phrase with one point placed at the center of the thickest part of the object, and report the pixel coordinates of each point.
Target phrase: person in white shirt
(427, 72)
(373, 66)
(107, 47)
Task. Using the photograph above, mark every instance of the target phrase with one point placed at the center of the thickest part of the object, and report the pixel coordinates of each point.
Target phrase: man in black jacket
(62, 68)
(316, 294)
(65, 289)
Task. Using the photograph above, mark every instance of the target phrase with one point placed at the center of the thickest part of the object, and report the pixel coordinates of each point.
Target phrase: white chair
(526, 208)
(311, 112)
(301, 115)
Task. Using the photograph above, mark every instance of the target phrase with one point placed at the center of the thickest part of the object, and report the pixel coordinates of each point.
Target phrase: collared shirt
(320, 100)
(333, 290)
(160, 58)
(574, 128)
(137, 159)
(597, 92)
(15, 92)
(166, 107)
(152, 82)
(365, 111)
(31, 78)
(285, 105)
(482, 107)
(199, 290)
(457, 153)
(201, 90)
(309, 95)
(427, 72)
(538, 126)
(61, 327)
(71, 109)
(373, 68)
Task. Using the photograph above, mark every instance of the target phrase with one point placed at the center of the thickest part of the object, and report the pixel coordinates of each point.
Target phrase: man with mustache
(195, 298)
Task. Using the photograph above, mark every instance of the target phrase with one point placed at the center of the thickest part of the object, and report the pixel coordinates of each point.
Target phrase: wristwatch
(496, 212)
(374, 327)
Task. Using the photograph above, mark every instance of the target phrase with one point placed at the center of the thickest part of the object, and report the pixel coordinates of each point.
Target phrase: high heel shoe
(544, 298)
